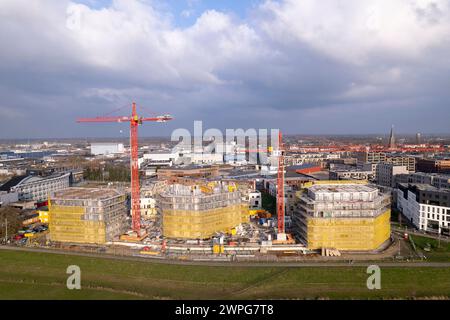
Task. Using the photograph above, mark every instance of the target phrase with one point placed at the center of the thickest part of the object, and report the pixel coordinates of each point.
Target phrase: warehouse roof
(12, 183)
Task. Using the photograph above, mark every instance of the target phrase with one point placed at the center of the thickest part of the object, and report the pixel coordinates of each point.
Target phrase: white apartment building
(427, 207)
(39, 188)
(255, 200)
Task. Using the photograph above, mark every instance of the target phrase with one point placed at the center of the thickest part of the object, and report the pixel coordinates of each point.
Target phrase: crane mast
(280, 189)
(134, 165)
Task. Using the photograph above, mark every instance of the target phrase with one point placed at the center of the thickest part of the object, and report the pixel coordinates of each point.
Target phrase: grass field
(439, 252)
(32, 275)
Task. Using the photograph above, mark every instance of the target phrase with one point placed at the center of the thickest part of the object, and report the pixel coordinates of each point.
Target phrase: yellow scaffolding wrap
(348, 233)
(67, 225)
(202, 224)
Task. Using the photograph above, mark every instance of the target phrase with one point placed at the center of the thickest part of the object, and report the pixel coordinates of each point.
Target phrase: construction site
(188, 213)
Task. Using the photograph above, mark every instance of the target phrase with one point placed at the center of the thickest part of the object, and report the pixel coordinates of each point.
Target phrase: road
(235, 264)
(421, 234)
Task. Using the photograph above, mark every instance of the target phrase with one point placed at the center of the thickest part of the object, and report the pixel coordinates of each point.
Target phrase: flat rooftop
(423, 187)
(321, 175)
(434, 175)
(188, 167)
(336, 188)
(85, 194)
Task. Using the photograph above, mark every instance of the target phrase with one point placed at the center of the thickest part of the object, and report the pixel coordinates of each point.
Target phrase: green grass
(269, 203)
(32, 275)
(438, 252)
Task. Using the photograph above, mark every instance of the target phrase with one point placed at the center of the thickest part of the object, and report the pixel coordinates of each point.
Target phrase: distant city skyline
(305, 67)
(411, 137)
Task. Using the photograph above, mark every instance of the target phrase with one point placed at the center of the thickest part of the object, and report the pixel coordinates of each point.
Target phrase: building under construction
(200, 211)
(83, 215)
(348, 217)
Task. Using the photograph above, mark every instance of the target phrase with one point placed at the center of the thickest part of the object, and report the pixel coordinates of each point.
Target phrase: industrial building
(151, 162)
(427, 207)
(200, 211)
(83, 215)
(342, 216)
(106, 148)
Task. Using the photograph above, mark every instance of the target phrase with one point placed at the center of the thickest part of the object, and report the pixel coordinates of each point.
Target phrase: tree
(10, 215)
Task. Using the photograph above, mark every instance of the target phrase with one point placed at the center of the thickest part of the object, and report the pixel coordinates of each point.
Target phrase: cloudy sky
(304, 66)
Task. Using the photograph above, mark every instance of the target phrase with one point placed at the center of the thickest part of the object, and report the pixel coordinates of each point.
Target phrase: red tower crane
(134, 121)
(280, 188)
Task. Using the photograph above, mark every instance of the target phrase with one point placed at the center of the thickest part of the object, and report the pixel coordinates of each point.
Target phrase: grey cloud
(272, 69)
